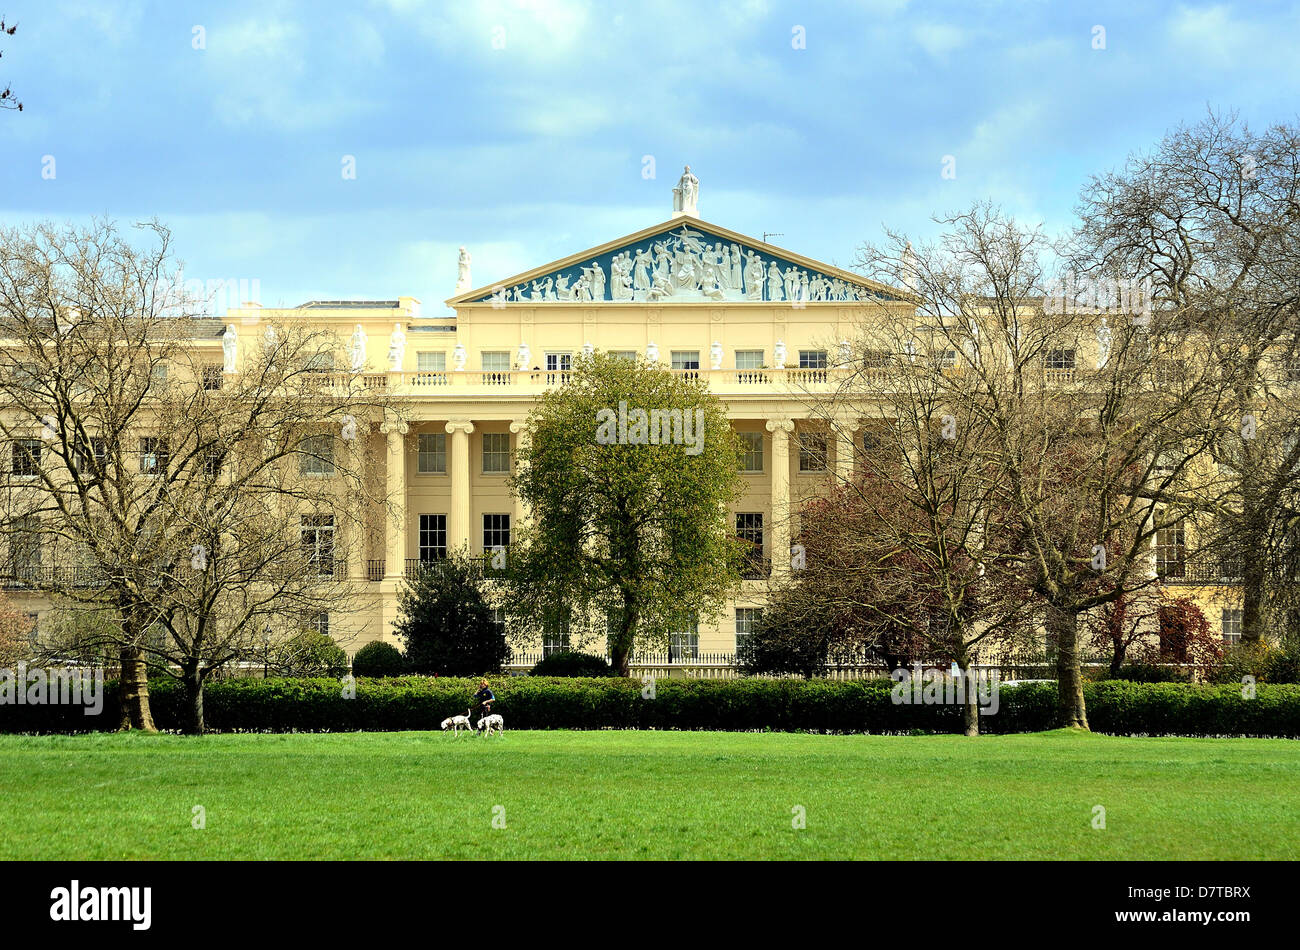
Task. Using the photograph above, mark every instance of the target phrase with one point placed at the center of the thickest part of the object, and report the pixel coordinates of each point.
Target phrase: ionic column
(354, 443)
(780, 429)
(395, 534)
(458, 524)
(520, 432)
(845, 443)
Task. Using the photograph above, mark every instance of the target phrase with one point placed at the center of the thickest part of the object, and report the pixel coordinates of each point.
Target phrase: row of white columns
(458, 521)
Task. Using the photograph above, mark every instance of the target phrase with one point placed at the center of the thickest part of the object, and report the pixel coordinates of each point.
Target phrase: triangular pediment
(684, 260)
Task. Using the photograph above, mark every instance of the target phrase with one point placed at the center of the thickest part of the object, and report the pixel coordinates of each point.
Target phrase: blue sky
(520, 127)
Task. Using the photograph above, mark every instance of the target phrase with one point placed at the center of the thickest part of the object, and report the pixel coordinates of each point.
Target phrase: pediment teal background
(703, 235)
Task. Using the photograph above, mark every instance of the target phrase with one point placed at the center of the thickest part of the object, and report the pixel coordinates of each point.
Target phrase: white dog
(456, 722)
(491, 722)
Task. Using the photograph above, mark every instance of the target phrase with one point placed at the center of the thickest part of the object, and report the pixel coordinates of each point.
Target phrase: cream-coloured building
(760, 324)
(696, 297)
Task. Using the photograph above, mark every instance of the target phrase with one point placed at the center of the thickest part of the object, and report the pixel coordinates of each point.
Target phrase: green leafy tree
(447, 625)
(627, 471)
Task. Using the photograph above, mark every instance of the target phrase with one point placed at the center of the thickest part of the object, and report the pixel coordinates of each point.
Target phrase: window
(496, 368)
(82, 456)
(320, 622)
(320, 363)
(213, 376)
(317, 533)
(496, 453)
(316, 455)
(1171, 551)
(431, 459)
(431, 368)
(1231, 624)
(1059, 360)
(747, 621)
(812, 451)
(1291, 371)
(27, 458)
(629, 355)
(747, 364)
(499, 620)
(749, 528)
(947, 359)
(876, 359)
(496, 531)
(557, 368)
(25, 548)
(751, 451)
(433, 537)
(812, 363)
(555, 637)
(688, 361)
(214, 459)
(153, 454)
(158, 373)
(684, 642)
(33, 625)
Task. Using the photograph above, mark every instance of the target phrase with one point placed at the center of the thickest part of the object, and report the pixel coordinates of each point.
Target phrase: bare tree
(1086, 456)
(1211, 219)
(176, 497)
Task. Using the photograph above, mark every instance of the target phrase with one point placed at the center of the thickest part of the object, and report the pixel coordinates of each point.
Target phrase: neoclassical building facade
(759, 323)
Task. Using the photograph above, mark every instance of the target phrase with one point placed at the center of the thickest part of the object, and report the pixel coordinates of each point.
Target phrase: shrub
(1151, 673)
(421, 703)
(377, 658)
(308, 653)
(446, 623)
(1265, 662)
(572, 663)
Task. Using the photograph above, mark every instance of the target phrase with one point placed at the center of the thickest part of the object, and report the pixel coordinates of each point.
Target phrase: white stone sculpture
(588, 349)
(846, 351)
(462, 271)
(396, 348)
(1105, 337)
(269, 338)
(357, 349)
(458, 358)
(229, 348)
(778, 354)
(715, 355)
(686, 195)
(652, 352)
(523, 357)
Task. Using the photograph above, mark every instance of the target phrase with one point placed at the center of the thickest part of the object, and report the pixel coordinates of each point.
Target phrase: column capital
(459, 425)
(517, 427)
(780, 425)
(395, 427)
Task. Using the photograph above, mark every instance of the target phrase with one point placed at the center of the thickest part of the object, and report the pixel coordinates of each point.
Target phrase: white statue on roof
(229, 348)
(357, 349)
(686, 195)
(462, 271)
(396, 348)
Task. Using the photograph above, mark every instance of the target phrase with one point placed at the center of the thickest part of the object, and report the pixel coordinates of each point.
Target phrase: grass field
(647, 795)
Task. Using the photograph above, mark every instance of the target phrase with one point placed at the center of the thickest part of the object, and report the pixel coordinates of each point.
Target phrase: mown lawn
(647, 795)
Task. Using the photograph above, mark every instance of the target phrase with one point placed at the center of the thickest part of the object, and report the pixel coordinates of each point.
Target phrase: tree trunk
(133, 690)
(1118, 651)
(1070, 712)
(970, 704)
(1254, 576)
(194, 699)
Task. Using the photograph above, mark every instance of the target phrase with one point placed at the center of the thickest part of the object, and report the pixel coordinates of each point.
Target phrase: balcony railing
(529, 379)
(1200, 570)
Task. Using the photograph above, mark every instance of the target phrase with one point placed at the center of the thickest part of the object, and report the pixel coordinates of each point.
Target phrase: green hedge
(420, 703)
